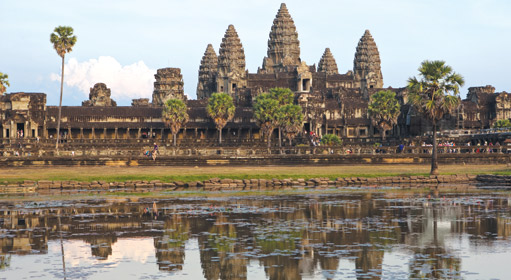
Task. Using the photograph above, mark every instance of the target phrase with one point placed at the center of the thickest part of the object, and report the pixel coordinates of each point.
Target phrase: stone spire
(283, 44)
(327, 63)
(231, 63)
(231, 55)
(367, 63)
(169, 84)
(207, 73)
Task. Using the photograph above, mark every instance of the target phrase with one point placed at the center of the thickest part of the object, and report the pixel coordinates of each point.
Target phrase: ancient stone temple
(367, 64)
(207, 73)
(332, 103)
(169, 84)
(99, 96)
(327, 63)
(231, 63)
(283, 44)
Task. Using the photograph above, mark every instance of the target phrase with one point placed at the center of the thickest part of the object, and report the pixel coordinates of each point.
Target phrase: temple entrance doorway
(307, 127)
(20, 127)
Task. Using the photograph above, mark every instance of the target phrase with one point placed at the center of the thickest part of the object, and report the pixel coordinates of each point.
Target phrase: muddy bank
(216, 184)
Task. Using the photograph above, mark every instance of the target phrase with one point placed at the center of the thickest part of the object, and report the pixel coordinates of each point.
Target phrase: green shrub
(331, 140)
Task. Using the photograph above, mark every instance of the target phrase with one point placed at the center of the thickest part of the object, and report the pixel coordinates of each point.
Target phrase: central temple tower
(231, 63)
(283, 45)
(367, 63)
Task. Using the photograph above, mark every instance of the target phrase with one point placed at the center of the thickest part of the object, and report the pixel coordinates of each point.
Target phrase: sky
(122, 43)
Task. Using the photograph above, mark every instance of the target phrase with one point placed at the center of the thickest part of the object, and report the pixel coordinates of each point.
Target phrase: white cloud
(126, 82)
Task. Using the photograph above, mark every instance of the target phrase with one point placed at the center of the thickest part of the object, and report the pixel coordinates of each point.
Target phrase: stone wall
(217, 184)
(229, 157)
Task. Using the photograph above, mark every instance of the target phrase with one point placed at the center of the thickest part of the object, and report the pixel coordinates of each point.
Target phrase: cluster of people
(19, 133)
(447, 144)
(313, 138)
(152, 153)
(148, 135)
(487, 150)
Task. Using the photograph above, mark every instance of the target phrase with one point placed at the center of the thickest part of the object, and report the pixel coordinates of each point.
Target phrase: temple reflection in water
(289, 237)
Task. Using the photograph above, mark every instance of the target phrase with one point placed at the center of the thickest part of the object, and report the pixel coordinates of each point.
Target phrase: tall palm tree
(266, 111)
(284, 96)
(434, 94)
(3, 83)
(175, 116)
(221, 109)
(290, 119)
(384, 109)
(63, 42)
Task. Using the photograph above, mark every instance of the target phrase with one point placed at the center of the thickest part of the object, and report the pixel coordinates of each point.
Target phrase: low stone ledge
(215, 184)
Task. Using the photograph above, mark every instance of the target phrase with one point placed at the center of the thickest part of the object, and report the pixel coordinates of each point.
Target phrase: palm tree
(384, 109)
(434, 94)
(266, 110)
(3, 83)
(221, 109)
(63, 42)
(284, 96)
(290, 119)
(175, 116)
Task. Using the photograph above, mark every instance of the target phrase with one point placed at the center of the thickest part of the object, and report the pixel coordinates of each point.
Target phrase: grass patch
(189, 174)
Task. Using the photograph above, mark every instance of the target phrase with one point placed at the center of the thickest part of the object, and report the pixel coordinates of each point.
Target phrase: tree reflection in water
(290, 237)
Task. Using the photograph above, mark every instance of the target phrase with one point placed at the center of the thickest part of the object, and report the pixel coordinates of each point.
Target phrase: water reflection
(324, 236)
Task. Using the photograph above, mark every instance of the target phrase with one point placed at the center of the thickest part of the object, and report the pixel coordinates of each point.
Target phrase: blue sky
(122, 43)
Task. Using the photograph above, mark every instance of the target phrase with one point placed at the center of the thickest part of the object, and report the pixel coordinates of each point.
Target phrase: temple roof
(327, 63)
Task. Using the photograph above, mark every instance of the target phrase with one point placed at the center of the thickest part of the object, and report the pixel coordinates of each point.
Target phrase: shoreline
(456, 182)
(166, 174)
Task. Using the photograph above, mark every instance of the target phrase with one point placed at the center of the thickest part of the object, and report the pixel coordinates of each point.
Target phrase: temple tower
(99, 96)
(207, 73)
(327, 63)
(283, 45)
(231, 63)
(367, 64)
(168, 84)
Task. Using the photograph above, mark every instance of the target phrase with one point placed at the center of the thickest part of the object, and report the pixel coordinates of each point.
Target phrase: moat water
(316, 235)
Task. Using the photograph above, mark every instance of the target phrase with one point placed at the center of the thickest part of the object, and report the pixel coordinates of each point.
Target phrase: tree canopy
(436, 91)
(384, 110)
(4, 82)
(282, 95)
(63, 40)
(221, 109)
(175, 115)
